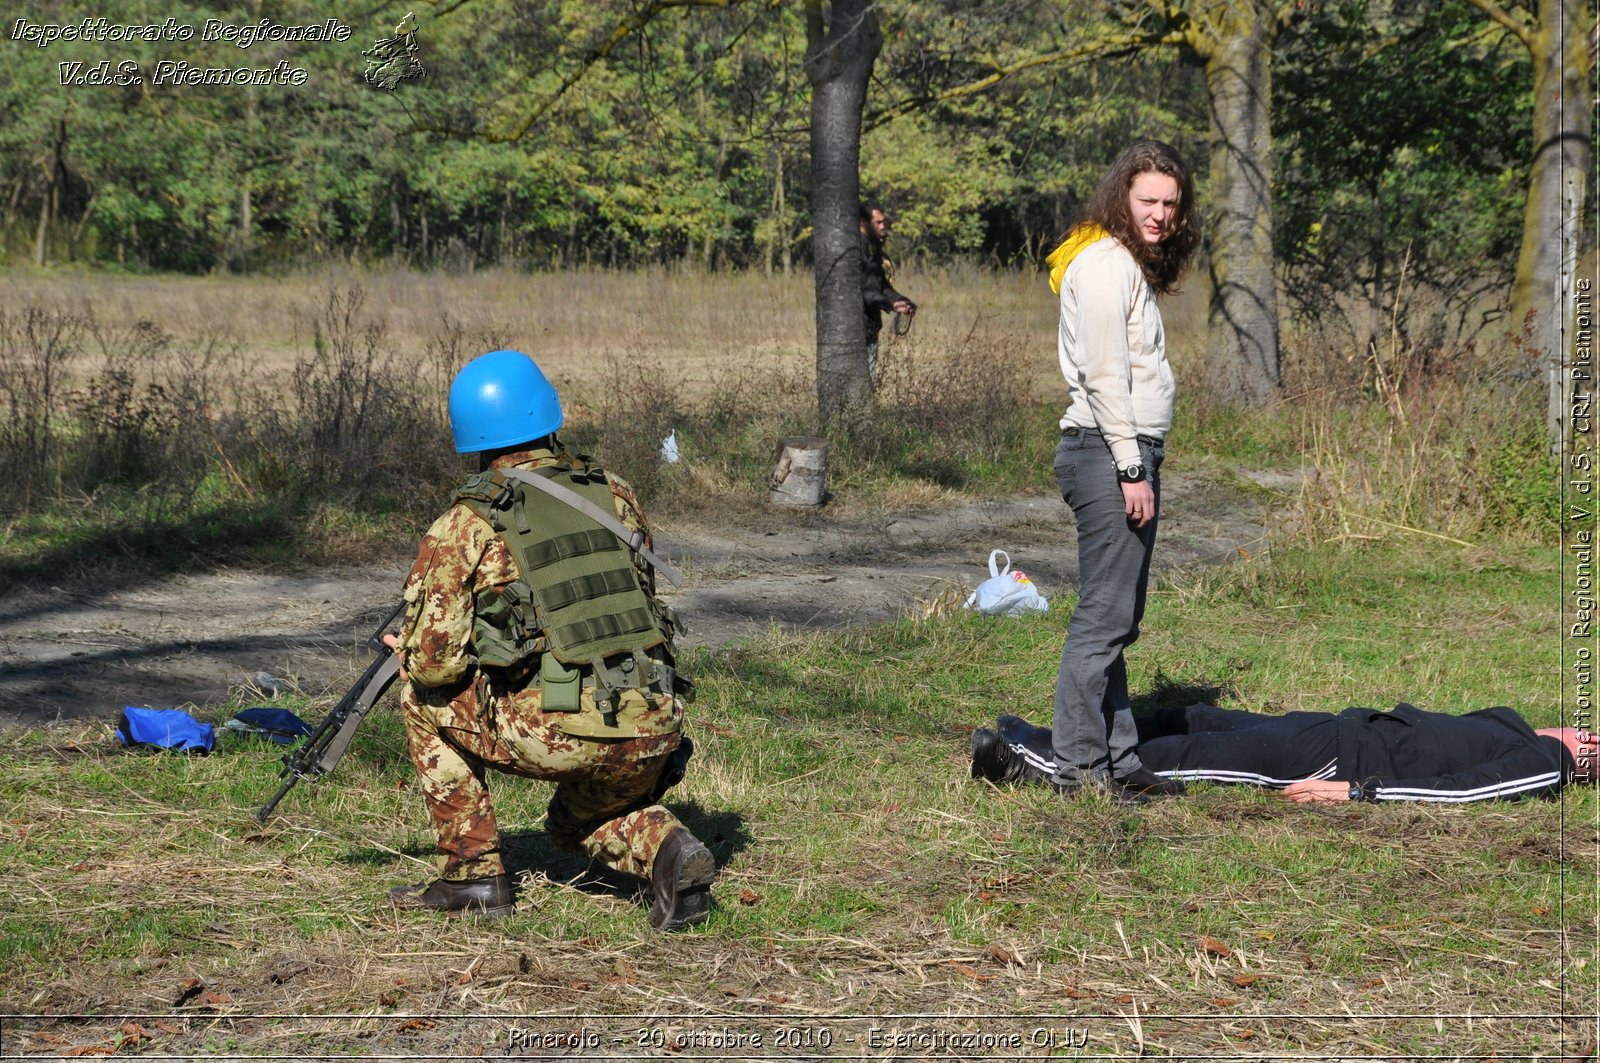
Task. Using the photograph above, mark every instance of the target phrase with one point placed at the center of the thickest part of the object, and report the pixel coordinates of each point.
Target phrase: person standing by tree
(1134, 238)
(877, 291)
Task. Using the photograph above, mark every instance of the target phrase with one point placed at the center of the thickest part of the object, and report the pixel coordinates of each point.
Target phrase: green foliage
(1402, 137)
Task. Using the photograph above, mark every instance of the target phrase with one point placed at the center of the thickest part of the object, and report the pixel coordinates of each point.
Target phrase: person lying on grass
(1356, 755)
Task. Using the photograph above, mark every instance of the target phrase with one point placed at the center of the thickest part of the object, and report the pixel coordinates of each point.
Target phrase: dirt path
(193, 640)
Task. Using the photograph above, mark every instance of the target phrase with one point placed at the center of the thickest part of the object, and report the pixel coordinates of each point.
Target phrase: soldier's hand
(393, 642)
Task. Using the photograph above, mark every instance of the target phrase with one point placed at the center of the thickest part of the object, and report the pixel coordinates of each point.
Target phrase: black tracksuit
(1403, 755)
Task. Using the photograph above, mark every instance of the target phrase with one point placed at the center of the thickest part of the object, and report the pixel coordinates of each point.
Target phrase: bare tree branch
(602, 51)
(1499, 14)
(1104, 48)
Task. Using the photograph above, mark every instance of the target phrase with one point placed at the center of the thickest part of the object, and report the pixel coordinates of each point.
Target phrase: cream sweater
(1113, 350)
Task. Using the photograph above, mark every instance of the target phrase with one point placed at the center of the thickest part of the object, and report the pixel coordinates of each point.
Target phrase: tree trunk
(50, 201)
(1236, 46)
(1563, 154)
(842, 43)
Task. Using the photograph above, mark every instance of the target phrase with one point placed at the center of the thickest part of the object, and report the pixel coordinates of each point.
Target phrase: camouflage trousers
(601, 808)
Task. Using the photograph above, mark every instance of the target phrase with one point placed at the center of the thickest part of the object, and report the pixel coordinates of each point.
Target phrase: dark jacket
(1410, 754)
(877, 297)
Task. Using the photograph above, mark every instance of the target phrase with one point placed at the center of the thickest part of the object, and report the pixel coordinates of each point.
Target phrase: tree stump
(801, 475)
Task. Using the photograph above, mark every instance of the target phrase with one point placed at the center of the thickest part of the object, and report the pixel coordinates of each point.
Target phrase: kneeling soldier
(534, 643)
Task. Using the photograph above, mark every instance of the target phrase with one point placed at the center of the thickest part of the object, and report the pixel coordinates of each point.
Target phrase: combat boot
(677, 767)
(488, 897)
(680, 882)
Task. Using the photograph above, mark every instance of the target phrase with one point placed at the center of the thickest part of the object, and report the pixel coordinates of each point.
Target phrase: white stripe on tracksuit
(1502, 789)
(1477, 793)
(1047, 765)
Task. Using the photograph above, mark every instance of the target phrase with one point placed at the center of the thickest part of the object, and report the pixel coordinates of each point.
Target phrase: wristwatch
(1131, 474)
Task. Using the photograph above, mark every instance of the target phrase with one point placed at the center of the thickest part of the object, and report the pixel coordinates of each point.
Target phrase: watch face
(1133, 473)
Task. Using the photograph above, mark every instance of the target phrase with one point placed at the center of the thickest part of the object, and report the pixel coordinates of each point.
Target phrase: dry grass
(692, 325)
(1227, 925)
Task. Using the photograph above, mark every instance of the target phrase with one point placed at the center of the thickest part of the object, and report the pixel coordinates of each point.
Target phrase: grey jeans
(1093, 733)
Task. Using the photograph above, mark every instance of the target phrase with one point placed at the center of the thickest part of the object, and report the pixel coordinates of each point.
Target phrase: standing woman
(1131, 245)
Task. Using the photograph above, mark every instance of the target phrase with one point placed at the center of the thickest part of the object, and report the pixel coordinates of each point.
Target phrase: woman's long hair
(1163, 263)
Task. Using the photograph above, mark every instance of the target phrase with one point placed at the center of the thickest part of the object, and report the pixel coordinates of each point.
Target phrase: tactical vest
(581, 605)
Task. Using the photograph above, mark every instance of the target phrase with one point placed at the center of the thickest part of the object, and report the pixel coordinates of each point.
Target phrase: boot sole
(691, 889)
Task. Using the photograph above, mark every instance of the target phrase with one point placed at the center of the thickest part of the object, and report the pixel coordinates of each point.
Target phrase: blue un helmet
(499, 399)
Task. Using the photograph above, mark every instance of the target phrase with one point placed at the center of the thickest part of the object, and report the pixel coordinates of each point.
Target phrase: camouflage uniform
(462, 719)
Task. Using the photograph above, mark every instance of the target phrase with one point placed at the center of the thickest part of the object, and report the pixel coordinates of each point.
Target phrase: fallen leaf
(285, 971)
(1191, 906)
(985, 897)
(388, 999)
(470, 973)
(1242, 980)
(746, 897)
(402, 784)
(134, 1033)
(1372, 983)
(580, 985)
(777, 998)
(724, 732)
(729, 991)
(1541, 910)
(1126, 998)
(899, 738)
(1072, 993)
(1244, 1035)
(212, 998)
(416, 1024)
(1005, 955)
(1215, 947)
(90, 1050)
(970, 973)
(1224, 1002)
(889, 807)
(1266, 935)
(188, 989)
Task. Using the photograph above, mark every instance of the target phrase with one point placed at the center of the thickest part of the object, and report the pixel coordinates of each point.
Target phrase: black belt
(1074, 431)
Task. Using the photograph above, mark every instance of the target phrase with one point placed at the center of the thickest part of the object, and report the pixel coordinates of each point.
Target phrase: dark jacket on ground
(1413, 755)
(1406, 754)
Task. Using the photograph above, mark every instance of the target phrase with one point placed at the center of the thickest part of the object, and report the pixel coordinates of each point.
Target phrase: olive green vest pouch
(581, 607)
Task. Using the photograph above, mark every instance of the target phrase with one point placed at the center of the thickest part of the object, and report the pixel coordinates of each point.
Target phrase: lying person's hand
(1317, 790)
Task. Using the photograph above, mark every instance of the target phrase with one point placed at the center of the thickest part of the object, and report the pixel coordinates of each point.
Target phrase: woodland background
(1400, 147)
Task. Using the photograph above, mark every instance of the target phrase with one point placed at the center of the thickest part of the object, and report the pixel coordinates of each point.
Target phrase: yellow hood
(1082, 235)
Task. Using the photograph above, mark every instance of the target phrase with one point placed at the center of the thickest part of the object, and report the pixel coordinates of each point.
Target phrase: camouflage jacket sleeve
(632, 516)
(459, 555)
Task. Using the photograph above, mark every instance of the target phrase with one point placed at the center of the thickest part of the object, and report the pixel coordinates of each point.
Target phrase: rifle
(322, 750)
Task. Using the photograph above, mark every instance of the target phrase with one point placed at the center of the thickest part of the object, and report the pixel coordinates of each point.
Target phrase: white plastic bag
(1006, 593)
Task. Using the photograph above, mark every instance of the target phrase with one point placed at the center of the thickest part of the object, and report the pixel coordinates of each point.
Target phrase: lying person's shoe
(680, 882)
(488, 897)
(991, 757)
(1144, 781)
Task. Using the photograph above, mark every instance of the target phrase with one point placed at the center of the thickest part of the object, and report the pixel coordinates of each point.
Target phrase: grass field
(874, 901)
(864, 874)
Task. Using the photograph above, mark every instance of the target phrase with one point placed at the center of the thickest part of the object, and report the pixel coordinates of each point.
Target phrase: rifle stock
(322, 750)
